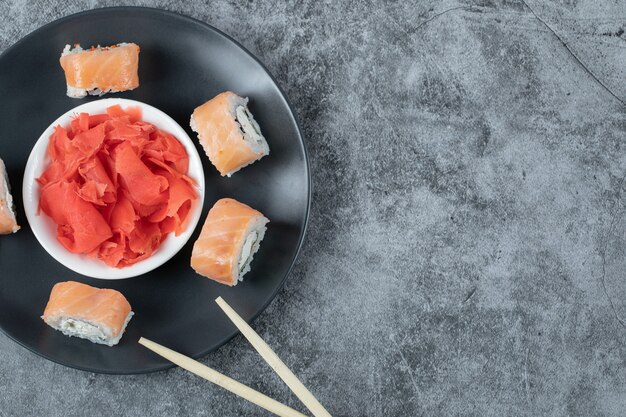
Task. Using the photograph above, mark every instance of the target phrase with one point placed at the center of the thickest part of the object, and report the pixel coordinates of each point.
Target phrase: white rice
(85, 329)
(77, 49)
(250, 129)
(250, 246)
(6, 199)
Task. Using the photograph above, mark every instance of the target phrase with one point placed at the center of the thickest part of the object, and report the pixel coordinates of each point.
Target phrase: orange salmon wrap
(98, 315)
(101, 70)
(231, 235)
(228, 133)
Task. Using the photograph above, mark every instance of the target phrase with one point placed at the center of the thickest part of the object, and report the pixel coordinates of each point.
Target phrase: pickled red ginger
(116, 186)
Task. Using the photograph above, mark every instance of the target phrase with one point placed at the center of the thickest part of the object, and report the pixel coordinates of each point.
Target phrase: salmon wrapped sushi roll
(98, 315)
(231, 235)
(101, 70)
(228, 133)
(8, 223)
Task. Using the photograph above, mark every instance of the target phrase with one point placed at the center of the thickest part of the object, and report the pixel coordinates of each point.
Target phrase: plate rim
(303, 146)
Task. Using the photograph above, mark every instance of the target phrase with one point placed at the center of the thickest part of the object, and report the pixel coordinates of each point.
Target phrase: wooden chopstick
(222, 380)
(274, 361)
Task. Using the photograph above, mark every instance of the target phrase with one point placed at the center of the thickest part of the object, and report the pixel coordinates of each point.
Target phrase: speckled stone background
(466, 254)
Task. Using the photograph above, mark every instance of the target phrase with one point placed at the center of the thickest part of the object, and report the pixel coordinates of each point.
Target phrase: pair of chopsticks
(238, 388)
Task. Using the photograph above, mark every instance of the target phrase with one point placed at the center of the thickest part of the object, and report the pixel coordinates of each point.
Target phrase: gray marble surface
(466, 250)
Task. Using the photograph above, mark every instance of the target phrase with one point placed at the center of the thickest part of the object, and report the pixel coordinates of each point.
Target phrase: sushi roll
(101, 70)
(230, 237)
(98, 315)
(228, 133)
(8, 223)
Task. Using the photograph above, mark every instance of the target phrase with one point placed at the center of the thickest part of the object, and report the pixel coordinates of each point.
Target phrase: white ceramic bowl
(45, 229)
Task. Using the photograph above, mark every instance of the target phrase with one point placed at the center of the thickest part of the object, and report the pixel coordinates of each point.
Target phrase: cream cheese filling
(8, 198)
(248, 124)
(79, 327)
(246, 250)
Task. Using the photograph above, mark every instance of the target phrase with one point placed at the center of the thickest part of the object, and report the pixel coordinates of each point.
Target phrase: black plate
(183, 62)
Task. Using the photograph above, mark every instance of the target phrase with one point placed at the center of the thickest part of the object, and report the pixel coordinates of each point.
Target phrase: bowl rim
(40, 223)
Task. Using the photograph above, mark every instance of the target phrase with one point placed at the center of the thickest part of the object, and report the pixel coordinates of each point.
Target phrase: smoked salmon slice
(99, 315)
(100, 70)
(230, 236)
(116, 186)
(228, 133)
